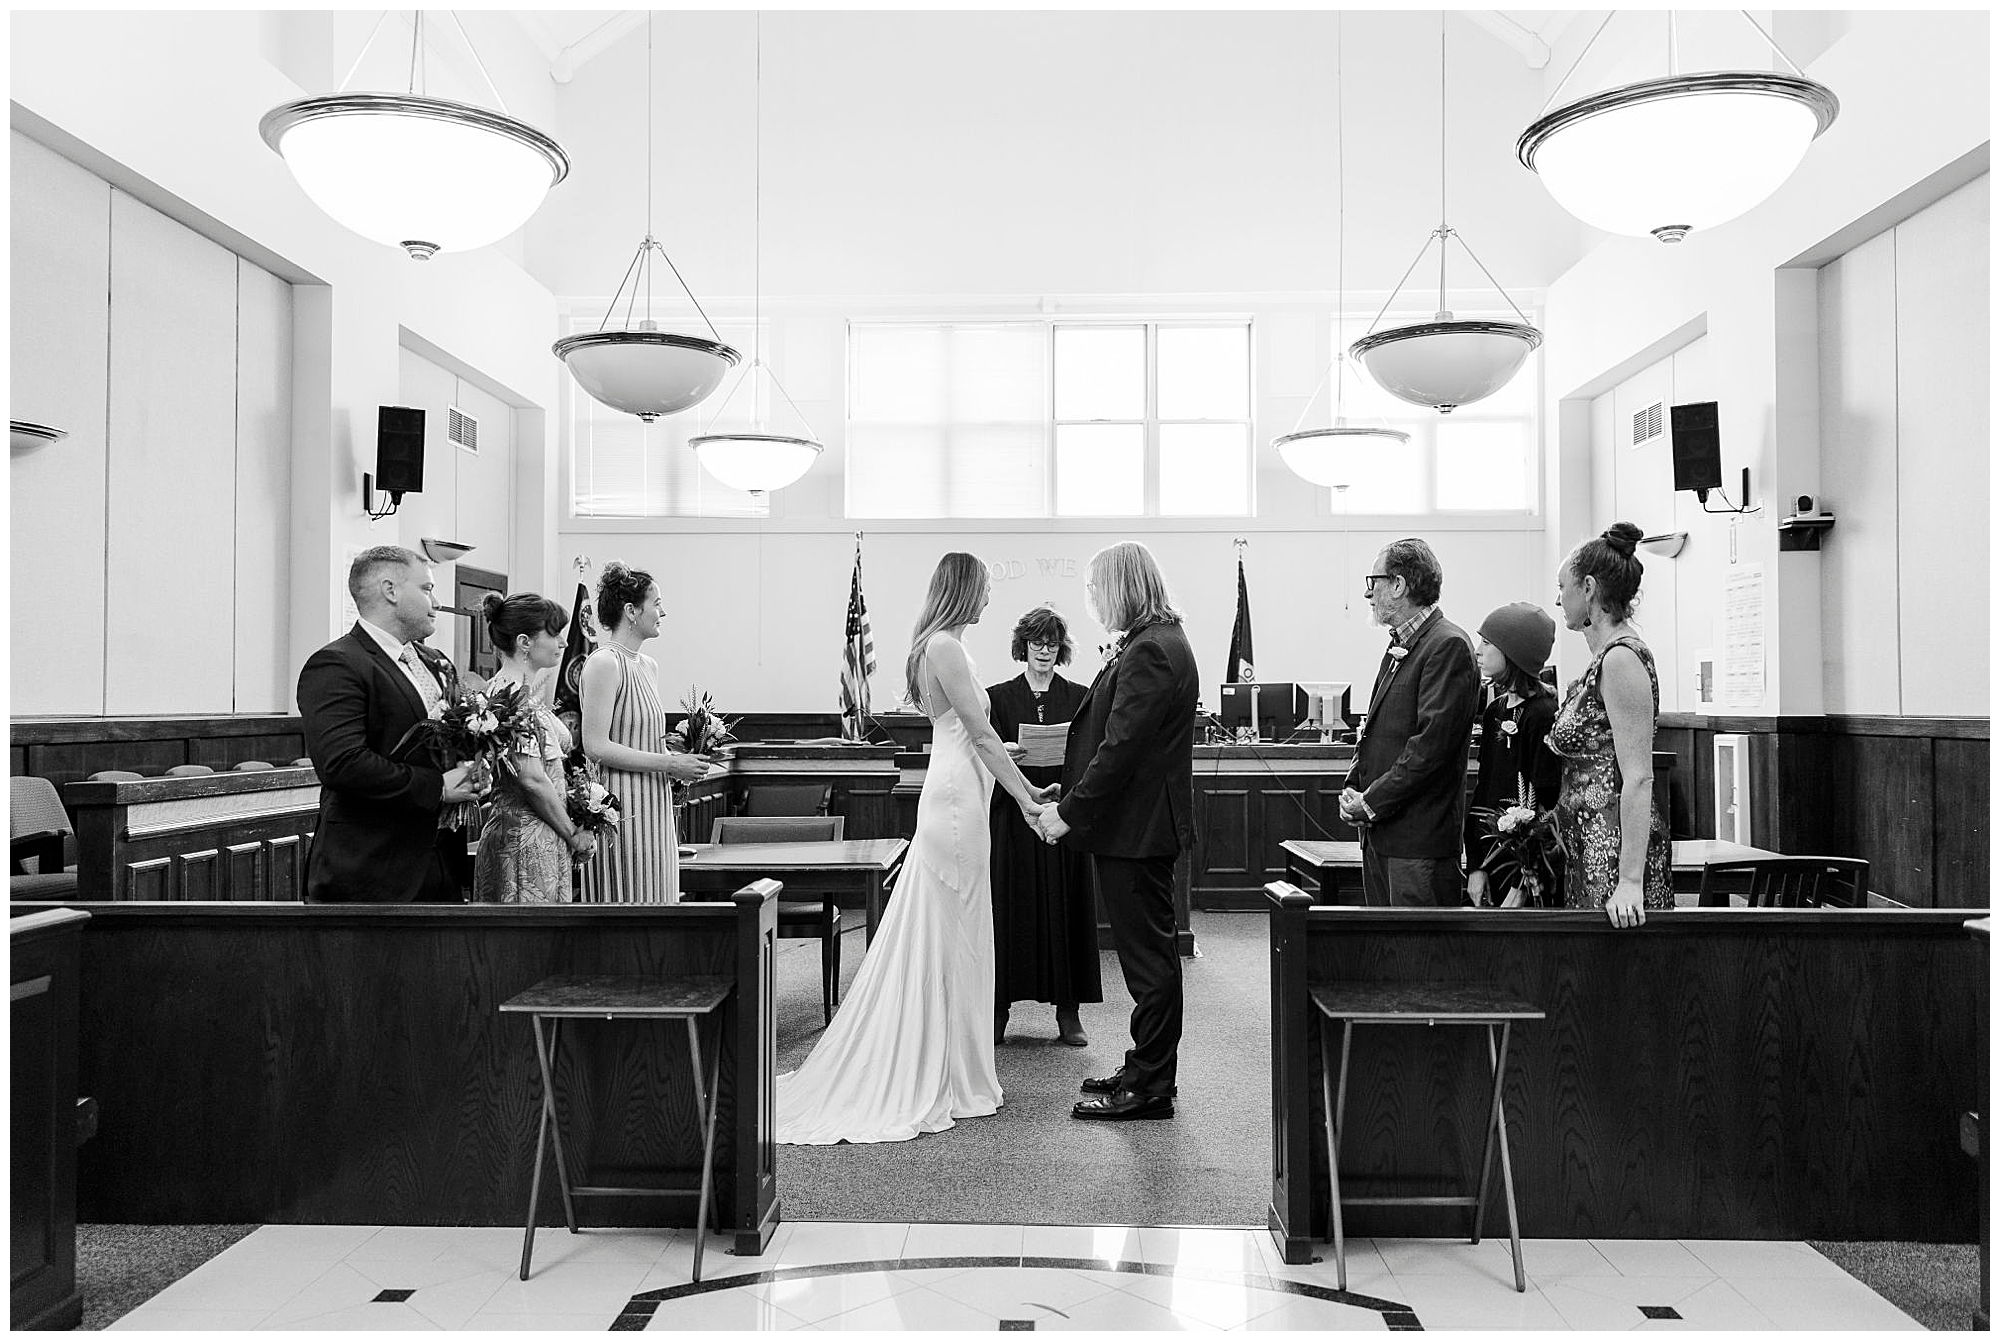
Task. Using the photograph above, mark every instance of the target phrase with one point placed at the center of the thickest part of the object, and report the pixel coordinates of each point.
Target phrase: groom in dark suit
(1406, 791)
(378, 839)
(1128, 800)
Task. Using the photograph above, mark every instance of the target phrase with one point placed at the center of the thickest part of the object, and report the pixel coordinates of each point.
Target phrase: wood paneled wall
(1911, 795)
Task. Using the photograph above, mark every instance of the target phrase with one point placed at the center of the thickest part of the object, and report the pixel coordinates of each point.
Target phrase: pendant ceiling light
(1666, 156)
(1445, 363)
(757, 460)
(639, 368)
(22, 435)
(1330, 456)
(412, 171)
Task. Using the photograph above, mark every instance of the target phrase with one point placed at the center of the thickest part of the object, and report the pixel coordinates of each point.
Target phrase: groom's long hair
(957, 585)
(1131, 593)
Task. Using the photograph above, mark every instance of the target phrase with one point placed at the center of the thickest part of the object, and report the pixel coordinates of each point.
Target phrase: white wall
(1904, 355)
(165, 106)
(1914, 125)
(151, 547)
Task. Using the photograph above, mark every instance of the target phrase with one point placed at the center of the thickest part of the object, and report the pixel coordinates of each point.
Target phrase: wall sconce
(444, 551)
(22, 435)
(1668, 544)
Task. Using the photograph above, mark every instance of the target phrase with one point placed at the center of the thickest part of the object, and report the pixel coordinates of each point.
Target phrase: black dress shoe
(1104, 1085)
(1124, 1106)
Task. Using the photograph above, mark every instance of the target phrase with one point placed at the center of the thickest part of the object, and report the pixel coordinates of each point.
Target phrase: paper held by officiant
(1042, 746)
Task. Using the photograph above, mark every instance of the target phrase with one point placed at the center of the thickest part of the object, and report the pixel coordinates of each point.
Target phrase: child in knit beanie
(1514, 643)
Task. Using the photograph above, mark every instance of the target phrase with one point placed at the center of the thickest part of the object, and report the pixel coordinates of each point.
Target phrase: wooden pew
(346, 1064)
(1719, 1073)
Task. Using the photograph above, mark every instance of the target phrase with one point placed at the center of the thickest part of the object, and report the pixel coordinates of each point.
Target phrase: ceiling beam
(594, 43)
(1525, 41)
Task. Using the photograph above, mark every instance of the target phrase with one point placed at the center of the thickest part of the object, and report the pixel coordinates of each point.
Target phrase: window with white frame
(1049, 419)
(1483, 457)
(621, 467)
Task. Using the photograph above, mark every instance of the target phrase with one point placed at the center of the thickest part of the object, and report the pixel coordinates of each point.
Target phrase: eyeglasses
(1044, 647)
(1369, 580)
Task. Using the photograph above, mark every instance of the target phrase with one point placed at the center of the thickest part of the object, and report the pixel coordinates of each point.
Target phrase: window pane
(892, 471)
(1483, 466)
(998, 374)
(1204, 470)
(1100, 470)
(997, 470)
(1100, 372)
(1387, 479)
(1204, 372)
(897, 374)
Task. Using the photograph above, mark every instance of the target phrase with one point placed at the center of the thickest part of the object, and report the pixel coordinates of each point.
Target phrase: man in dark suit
(1128, 800)
(378, 839)
(1406, 791)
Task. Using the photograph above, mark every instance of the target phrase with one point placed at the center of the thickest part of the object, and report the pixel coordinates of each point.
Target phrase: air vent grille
(462, 428)
(1647, 423)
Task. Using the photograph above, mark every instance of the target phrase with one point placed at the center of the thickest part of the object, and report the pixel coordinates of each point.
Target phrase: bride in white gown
(911, 1048)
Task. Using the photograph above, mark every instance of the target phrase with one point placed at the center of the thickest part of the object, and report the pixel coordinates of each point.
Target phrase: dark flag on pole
(1239, 668)
(568, 697)
(857, 659)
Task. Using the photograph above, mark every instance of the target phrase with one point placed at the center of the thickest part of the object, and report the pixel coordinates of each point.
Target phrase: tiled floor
(891, 1277)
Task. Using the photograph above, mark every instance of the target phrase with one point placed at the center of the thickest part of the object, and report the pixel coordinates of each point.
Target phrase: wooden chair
(39, 831)
(1792, 882)
(808, 798)
(798, 919)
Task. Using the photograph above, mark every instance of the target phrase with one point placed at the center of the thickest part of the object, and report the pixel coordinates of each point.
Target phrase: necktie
(421, 677)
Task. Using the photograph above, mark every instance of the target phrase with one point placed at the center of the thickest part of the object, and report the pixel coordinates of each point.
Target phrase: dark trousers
(1137, 895)
(1409, 882)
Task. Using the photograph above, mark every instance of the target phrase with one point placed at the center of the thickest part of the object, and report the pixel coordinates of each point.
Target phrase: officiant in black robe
(1044, 913)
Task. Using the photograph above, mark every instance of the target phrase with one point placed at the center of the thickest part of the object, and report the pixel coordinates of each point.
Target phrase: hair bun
(614, 572)
(1623, 537)
(490, 605)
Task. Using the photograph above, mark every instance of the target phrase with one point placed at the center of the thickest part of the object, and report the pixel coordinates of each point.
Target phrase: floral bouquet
(1523, 845)
(703, 730)
(591, 808)
(480, 727)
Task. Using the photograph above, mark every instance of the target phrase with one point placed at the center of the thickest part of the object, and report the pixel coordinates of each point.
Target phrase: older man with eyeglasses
(1406, 791)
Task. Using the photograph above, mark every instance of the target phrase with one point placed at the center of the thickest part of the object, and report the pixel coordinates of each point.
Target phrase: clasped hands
(1352, 808)
(1043, 817)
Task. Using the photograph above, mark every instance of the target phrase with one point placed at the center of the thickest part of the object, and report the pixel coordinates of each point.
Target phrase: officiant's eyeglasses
(1044, 647)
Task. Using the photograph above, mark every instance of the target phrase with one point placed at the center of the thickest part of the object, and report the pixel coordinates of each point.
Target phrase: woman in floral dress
(1612, 833)
(529, 843)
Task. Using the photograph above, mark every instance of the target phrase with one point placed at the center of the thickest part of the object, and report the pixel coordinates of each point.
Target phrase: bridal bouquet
(480, 728)
(703, 730)
(591, 808)
(1524, 845)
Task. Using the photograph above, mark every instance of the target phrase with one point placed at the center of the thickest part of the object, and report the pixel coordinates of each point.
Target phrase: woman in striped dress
(624, 731)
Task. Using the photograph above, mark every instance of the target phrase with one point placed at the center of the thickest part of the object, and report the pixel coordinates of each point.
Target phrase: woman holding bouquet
(1514, 643)
(625, 734)
(529, 842)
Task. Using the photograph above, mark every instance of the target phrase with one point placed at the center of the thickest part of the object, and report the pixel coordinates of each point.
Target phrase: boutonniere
(1509, 727)
(1399, 653)
(1110, 651)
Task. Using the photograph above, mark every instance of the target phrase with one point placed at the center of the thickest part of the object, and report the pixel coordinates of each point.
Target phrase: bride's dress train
(911, 1048)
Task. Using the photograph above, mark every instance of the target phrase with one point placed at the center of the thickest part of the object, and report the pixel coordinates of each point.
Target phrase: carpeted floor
(119, 1267)
(1935, 1283)
(1031, 1163)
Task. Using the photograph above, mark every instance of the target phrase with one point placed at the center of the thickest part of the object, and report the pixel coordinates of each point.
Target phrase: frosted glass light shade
(646, 372)
(424, 174)
(1445, 364)
(1327, 456)
(755, 462)
(1665, 156)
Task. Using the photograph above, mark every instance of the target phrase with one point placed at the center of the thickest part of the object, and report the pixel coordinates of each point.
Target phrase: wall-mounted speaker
(1697, 447)
(399, 449)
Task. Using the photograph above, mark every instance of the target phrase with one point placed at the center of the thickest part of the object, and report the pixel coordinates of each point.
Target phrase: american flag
(857, 659)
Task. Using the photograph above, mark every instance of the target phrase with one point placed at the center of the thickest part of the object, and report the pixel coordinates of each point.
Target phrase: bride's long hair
(958, 584)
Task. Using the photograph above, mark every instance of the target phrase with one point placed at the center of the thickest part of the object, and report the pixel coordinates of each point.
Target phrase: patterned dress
(638, 859)
(522, 859)
(1587, 815)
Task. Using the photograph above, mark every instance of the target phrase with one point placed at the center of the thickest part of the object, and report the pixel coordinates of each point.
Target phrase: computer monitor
(1329, 701)
(1275, 708)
